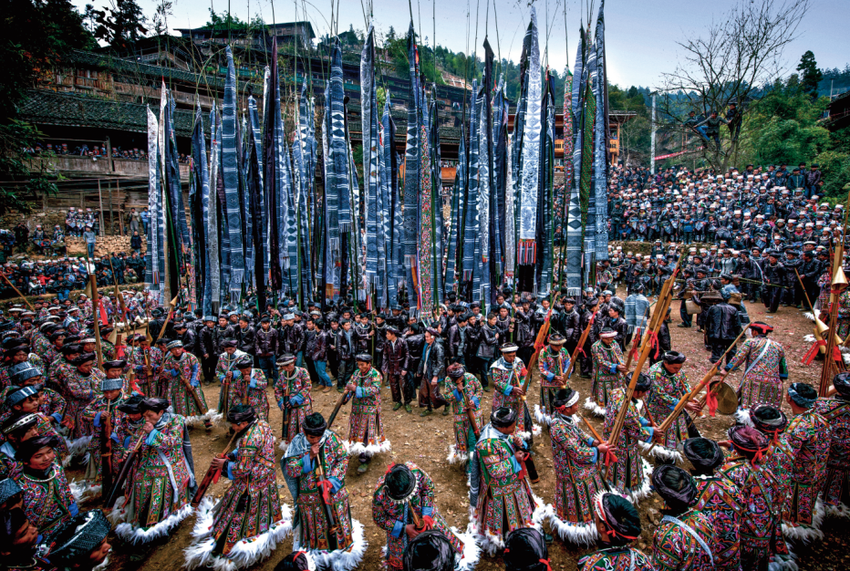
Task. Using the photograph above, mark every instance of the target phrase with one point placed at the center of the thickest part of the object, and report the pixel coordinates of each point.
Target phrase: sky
(641, 35)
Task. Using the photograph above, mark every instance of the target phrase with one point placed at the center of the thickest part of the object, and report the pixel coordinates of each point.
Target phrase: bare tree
(737, 56)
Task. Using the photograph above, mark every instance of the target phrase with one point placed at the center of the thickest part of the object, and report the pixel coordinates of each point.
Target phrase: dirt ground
(425, 441)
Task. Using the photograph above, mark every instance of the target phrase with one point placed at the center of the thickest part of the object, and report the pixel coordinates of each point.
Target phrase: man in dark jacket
(244, 335)
(432, 370)
(722, 326)
(344, 346)
(774, 282)
(395, 369)
(267, 347)
(207, 348)
(317, 351)
(487, 350)
(457, 339)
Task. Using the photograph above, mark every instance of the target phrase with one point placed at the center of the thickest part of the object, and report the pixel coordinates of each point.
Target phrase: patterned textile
(808, 437)
(369, 122)
(629, 473)
(211, 204)
(297, 388)
(504, 377)
(231, 176)
(48, 501)
(81, 391)
(526, 253)
(313, 528)
(251, 391)
(392, 517)
(365, 426)
(251, 505)
(578, 479)
(428, 296)
(471, 397)
(139, 359)
(600, 140)
(412, 185)
(667, 389)
(94, 415)
(673, 547)
(836, 485)
(155, 254)
(552, 364)
(606, 377)
(616, 559)
(761, 382)
(227, 364)
(720, 502)
(174, 372)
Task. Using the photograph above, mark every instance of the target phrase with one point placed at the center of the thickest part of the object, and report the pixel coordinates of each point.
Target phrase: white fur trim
(578, 534)
(536, 430)
(662, 452)
(742, 416)
(82, 488)
(244, 553)
(284, 444)
(340, 560)
(371, 449)
(79, 446)
(118, 514)
(470, 554)
(783, 562)
(103, 566)
(636, 495)
(811, 317)
(132, 534)
(840, 510)
(492, 544)
(807, 534)
(595, 409)
(541, 416)
(212, 415)
(456, 457)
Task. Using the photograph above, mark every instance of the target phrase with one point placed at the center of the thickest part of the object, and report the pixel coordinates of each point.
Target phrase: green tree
(120, 25)
(811, 75)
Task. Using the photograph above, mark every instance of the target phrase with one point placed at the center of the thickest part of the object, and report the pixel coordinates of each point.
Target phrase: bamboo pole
(17, 291)
(837, 286)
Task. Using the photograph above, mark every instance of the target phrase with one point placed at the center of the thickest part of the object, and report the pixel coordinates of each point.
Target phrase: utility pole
(652, 140)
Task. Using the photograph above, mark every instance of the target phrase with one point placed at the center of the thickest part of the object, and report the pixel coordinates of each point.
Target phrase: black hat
(131, 405)
(503, 417)
(525, 550)
(229, 343)
(565, 398)
(802, 394)
(240, 413)
(429, 551)
(296, 561)
(78, 538)
(749, 441)
(704, 454)
(644, 383)
(286, 359)
(674, 357)
(28, 448)
(154, 404)
(768, 419)
(82, 359)
(115, 364)
(675, 486)
(401, 483)
(619, 516)
(244, 362)
(455, 371)
(363, 358)
(314, 424)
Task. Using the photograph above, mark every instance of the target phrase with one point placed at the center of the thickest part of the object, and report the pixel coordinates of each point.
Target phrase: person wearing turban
(181, 375)
(225, 371)
(404, 496)
(81, 384)
(157, 495)
(366, 429)
(102, 414)
(145, 360)
(499, 490)
(718, 499)
(508, 373)
(608, 366)
(429, 551)
(126, 425)
(314, 467)
(684, 537)
(464, 392)
(553, 363)
(808, 438)
(618, 525)
(669, 385)
(292, 393)
(577, 459)
(48, 501)
(630, 474)
(765, 370)
(525, 550)
(226, 533)
(758, 486)
(81, 543)
(249, 387)
(836, 411)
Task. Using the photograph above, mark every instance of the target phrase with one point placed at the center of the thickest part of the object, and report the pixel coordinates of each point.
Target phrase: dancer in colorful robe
(719, 499)
(464, 391)
(669, 385)
(249, 387)
(181, 374)
(25, 401)
(145, 360)
(405, 496)
(292, 393)
(553, 362)
(431, 551)
(608, 365)
(836, 411)
(225, 370)
(314, 467)
(525, 550)
(247, 523)
(82, 384)
(101, 411)
(128, 423)
(808, 436)
(499, 490)
(618, 523)
(507, 374)
(157, 495)
(757, 486)
(48, 501)
(81, 543)
(684, 536)
(577, 458)
(366, 430)
(631, 473)
(765, 371)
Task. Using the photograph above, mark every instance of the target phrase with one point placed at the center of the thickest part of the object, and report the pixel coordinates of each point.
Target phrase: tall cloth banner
(155, 256)
(371, 178)
(471, 229)
(232, 179)
(176, 227)
(568, 178)
(577, 207)
(389, 181)
(412, 175)
(272, 175)
(587, 194)
(304, 154)
(199, 190)
(527, 247)
(600, 140)
(212, 216)
(257, 213)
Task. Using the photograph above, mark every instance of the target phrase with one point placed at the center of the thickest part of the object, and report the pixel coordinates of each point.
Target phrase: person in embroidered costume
(577, 458)
(553, 362)
(246, 525)
(314, 468)
(249, 388)
(16, 430)
(618, 525)
(404, 495)
(808, 436)
(507, 374)
(145, 360)
(463, 390)
(757, 487)
(429, 551)
(684, 536)
(499, 490)
(26, 400)
(718, 499)
(180, 368)
(765, 368)
(157, 497)
(81, 544)
(366, 430)
(225, 370)
(115, 370)
(103, 409)
(48, 501)
(630, 473)
(126, 424)
(836, 411)
(525, 550)
(669, 385)
(292, 394)
(49, 402)
(82, 384)
(608, 365)
(18, 540)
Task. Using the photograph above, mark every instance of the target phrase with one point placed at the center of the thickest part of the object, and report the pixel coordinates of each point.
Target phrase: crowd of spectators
(94, 150)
